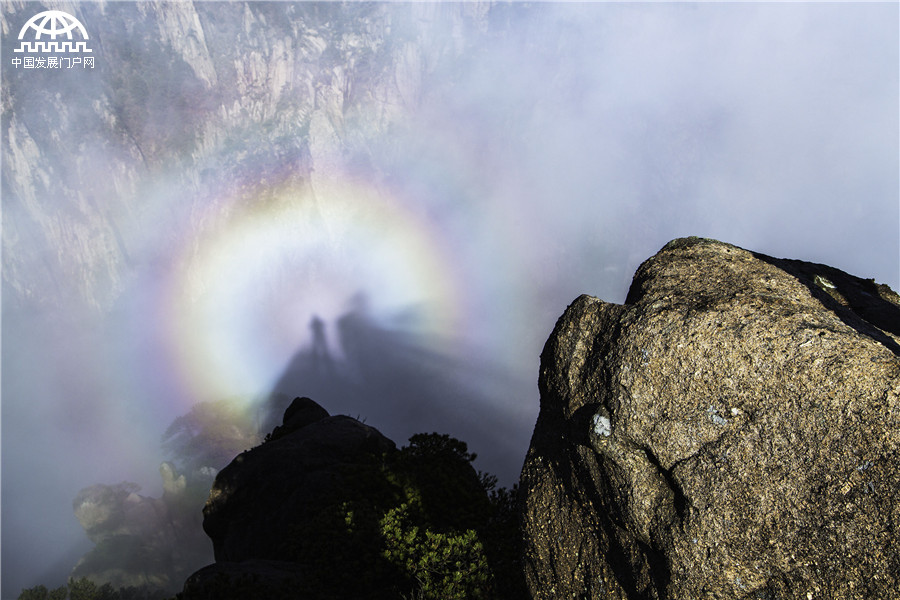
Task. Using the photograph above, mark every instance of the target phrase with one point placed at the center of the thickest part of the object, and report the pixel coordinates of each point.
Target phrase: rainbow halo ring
(247, 287)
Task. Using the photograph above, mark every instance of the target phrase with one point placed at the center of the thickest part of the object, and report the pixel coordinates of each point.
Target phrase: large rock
(281, 516)
(327, 507)
(731, 431)
(247, 580)
(261, 500)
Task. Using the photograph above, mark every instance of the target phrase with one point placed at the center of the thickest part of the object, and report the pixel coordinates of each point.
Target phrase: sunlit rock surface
(731, 431)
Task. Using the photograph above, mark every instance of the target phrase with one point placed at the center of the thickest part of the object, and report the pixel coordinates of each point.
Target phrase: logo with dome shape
(52, 31)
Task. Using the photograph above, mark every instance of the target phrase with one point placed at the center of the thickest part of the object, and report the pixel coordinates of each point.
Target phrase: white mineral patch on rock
(601, 425)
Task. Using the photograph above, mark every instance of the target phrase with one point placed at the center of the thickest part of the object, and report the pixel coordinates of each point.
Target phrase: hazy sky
(549, 164)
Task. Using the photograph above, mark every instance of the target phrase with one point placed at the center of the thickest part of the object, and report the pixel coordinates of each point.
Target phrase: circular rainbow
(246, 288)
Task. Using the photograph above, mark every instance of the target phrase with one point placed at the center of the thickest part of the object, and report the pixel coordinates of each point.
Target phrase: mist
(386, 207)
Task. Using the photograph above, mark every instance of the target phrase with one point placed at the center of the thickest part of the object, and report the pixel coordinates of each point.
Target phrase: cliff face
(190, 102)
(731, 431)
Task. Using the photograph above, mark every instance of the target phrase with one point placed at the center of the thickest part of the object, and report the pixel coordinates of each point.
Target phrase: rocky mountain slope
(188, 102)
(729, 432)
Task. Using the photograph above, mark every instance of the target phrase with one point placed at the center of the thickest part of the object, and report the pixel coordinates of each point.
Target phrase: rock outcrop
(731, 431)
(140, 541)
(259, 500)
(328, 507)
(274, 511)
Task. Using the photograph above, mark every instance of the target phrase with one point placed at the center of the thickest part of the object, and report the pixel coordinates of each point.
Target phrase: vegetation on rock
(85, 589)
(418, 522)
(421, 524)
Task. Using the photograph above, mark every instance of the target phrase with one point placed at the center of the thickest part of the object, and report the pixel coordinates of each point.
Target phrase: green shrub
(41, 593)
(440, 566)
(85, 589)
(419, 522)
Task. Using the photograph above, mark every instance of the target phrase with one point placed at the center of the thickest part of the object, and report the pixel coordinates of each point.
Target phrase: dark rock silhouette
(270, 512)
(328, 507)
(731, 431)
(257, 500)
(300, 413)
(254, 578)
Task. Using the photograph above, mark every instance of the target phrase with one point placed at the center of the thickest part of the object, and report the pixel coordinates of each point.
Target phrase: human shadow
(404, 383)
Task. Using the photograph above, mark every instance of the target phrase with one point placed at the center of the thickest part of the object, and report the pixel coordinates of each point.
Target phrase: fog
(402, 257)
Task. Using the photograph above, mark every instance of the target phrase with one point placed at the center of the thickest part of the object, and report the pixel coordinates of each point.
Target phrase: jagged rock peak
(302, 412)
(258, 498)
(731, 431)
